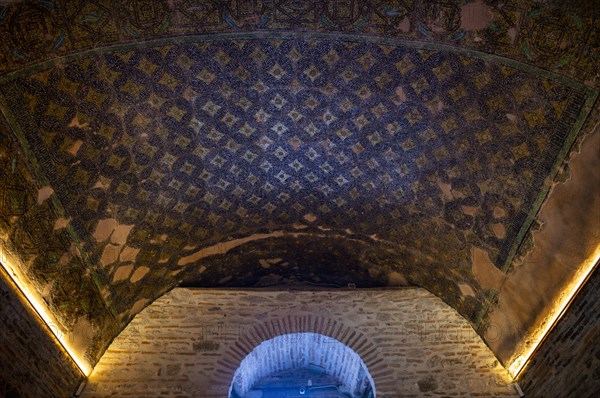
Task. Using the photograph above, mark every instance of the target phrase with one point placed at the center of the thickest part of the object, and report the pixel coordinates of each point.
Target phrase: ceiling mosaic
(275, 156)
(552, 34)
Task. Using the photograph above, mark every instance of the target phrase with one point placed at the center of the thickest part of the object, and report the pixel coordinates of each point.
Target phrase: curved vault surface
(269, 159)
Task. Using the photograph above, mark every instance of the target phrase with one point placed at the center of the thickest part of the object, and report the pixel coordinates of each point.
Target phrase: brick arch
(252, 336)
(295, 351)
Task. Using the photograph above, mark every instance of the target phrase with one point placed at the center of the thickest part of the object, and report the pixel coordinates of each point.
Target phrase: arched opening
(302, 365)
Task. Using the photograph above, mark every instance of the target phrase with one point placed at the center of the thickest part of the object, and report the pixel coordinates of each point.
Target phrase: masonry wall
(568, 362)
(190, 342)
(31, 364)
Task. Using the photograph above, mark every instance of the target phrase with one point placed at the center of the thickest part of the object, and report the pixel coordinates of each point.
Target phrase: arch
(253, 336)
(295, 351)
(193, 341)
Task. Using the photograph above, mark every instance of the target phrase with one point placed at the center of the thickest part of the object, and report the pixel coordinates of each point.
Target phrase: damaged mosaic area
(204, 162)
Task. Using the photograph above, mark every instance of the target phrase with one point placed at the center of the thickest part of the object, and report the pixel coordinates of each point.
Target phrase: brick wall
(190, 342)
(567, 365)
(31, 364)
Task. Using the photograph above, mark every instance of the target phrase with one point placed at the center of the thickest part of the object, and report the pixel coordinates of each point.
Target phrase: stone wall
(190, 342)
(568, 362)
(31, 363)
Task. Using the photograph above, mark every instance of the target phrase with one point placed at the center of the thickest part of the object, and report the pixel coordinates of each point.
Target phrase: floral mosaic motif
(550, 34)
(92, 20)
(31, 27)
(147, 16)
(554, 37)
(28, 230)
(440, 19)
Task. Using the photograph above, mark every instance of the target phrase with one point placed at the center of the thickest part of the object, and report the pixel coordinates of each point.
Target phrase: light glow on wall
(28, 293)
(562, 303)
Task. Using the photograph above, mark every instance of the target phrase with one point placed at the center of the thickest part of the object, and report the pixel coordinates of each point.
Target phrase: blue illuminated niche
(302, 365)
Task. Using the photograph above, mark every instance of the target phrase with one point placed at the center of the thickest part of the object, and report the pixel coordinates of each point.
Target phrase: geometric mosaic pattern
(388, 160)
(197, 143)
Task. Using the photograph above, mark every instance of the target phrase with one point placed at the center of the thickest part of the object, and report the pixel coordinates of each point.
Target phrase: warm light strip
(36, 302)
(562, 303)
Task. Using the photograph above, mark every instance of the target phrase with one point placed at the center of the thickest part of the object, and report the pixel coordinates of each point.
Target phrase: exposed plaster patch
(267, 262)
(122, 273)
(110, 254)
(104, 229)
(68, 255)
(475, 16)
(401, 94)
(119, 236)
(75, 147)
(404, 25)
(75, 123)
(102, 183)
(43, 194)
(466, 290)
(568, 236)
(446, 190)
(61, 223)
(105, 293)
(65, 258)
(138, 306)
(129, 254)
(499, 212)
(469, 210)
(224, 247)
(310, 217)
(397, 279)
(139, 274)
(486, 273)
(499, 230)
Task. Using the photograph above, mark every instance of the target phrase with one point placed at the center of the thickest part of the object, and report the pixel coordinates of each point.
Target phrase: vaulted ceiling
(283, 144)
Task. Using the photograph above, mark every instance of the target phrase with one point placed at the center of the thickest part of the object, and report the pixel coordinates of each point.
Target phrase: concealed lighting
(556, 312)
(518, 390)
(81, 388)
(47, 320)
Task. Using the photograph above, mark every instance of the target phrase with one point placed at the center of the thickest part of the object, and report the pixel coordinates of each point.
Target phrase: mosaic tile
(193, 144)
